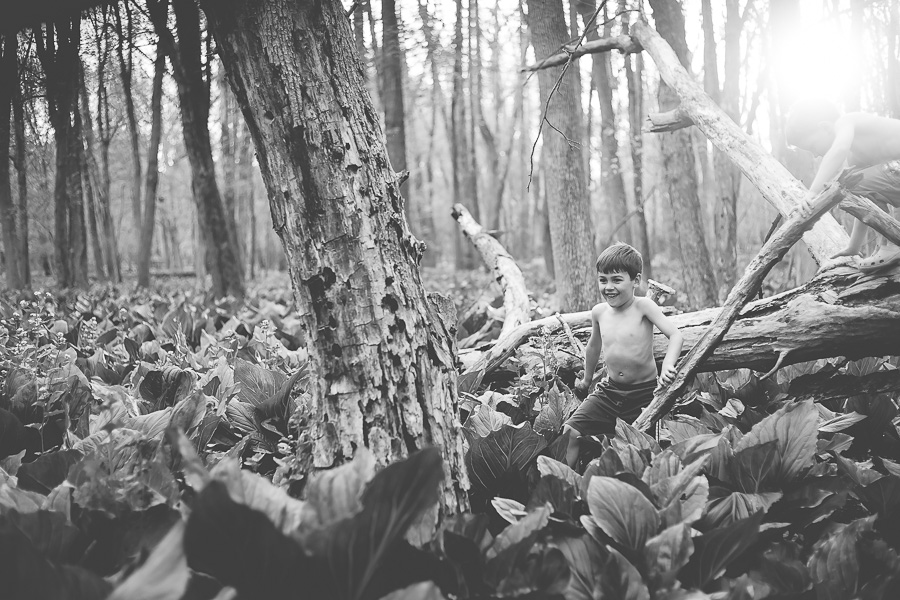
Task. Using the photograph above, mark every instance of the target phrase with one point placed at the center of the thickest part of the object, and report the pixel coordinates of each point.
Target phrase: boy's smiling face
(617, 288)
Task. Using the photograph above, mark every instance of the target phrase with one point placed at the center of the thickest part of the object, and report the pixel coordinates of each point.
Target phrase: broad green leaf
(753, 467)
(425, 590)
(257, 383)
(12, 498)
(663, 466)
(548, 466)
(716, 549)
(151, 425)
(729, 509)
(683, 428)
(882, 496)
(52, 535)
(553, 491)
(518, 531)
(163, 575)
(337, 493)
(620, 580)
(622, 511)
(782, 568)
(633, 460)
(586, 558)
(677, 486)
(484, 420)
(834, 565)
(47, 471)
(509, 450)
(666, 553)
(258, 493)
(690, 449)
(558, 406)
(841, 422)
(510, 510)
(640, 440)
(794, 428)
(860, 473)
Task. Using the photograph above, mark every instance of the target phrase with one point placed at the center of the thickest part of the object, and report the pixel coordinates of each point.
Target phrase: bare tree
(148, 221)
(22, 178)
(9, 80)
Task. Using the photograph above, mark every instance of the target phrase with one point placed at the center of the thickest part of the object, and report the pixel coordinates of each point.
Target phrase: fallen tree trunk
(838, 386)
(838, 313)
(771, 253)
(503, 267)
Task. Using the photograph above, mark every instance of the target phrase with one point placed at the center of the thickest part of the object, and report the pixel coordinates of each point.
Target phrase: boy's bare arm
(665, 325)
(834, 159)
(591, 352)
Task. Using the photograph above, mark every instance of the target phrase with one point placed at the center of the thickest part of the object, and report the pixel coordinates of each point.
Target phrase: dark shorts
(611, 400)
(880, 183)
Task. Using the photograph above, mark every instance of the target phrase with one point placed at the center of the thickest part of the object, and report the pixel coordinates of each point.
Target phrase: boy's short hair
(620, 257)
(805, 116)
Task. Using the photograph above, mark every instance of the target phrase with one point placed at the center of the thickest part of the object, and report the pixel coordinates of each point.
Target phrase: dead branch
(623, 43)
(504, 268)
(868, 212)
(771, 253)
(671, 120)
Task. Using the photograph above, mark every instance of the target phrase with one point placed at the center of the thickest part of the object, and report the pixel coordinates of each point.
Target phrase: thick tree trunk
(148, 221)
(22, 179)
(680, 173)
(381, 353)
(571, 232)
(217, 232)
(9, 80)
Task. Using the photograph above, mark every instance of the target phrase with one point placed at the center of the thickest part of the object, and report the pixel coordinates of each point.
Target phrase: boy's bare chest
(624, 328)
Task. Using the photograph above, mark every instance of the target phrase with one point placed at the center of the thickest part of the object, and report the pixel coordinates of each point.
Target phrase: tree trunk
(9, 80)
(22, 178)
(634, 69)
(93, 229)
(94, 189)
(681, 179)
(612, 187)
(148, 221)
(126, 66)
(571, 233)
(382, 350)
(217, 235)
(464, 183)
(392, 90)
(78, 242)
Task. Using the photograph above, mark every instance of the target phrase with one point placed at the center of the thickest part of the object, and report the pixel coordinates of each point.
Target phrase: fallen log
(503, 267)
(839, 386)
(840, 312)
(771, 253)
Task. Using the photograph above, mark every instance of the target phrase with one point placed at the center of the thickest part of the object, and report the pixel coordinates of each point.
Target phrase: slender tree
(216, 231)
(151, 183)
(125, 35)
(392, 90)
(9, 80)
(680, 173)
(22, 179)
(571, 233)
(382, 353)
(465, 189)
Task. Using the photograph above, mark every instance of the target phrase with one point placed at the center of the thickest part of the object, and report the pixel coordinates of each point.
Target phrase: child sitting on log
(622, 328)
(868, 144)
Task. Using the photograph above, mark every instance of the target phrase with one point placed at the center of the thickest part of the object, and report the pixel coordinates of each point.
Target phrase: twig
(572, 339)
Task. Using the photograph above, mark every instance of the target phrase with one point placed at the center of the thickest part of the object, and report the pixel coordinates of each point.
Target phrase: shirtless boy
(866, 142)
(623, 331)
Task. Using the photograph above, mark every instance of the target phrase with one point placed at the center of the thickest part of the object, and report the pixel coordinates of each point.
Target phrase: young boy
(867, 143)
(623, 330)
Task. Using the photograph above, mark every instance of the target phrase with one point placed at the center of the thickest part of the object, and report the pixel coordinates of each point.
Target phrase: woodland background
(460, 115)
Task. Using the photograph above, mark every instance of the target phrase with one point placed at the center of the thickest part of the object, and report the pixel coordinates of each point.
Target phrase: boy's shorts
(611, 400)
(880, 183)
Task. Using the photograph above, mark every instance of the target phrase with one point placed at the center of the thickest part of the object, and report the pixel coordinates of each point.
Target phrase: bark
(78, 242)
(612, 187)
(9, 80)
(22, 180)
(227, 127)
(94, 189)
(771, 254)
(383, 350)
(835, 386)
(392, 89)
(217, 232)
(126, 67)
(502, 266)
(571, 233)
(680, 173)
(148, 221)
(492, 199)
(93, 229)
(634, 68)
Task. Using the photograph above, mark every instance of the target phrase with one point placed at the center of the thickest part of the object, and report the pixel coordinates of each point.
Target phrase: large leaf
(753, 467)
(619, 579)
(336, 494)
(516, 532)
(684, 427)
(586, 558)
(640, 440)
(258, 384)
(26, 574)
(260, 494)
(15, 437)
(548, 466)
(263, 564)
(794, 429)
(834, 565)
(554, 491)
(47, 471)
(663, 466)
(395, 498)
(666, 553)
(783, 570)
(508, 450)
(715, 550)
(163, 575)
(558, 406)
(425, 590)
(735, 506)
(52, 535)
(622, 512)
(484, 420)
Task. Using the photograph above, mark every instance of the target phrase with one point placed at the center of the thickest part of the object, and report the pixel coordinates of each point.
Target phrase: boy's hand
(666, 376)
(581, 388)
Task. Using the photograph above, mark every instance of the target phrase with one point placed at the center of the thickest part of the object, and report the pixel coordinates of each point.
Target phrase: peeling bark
(381, 353)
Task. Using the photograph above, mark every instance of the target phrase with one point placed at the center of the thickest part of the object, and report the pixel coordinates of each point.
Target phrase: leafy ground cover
(152, 446)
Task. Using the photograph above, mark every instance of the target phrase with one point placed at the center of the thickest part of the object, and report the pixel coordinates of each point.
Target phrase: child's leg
(573, 447)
